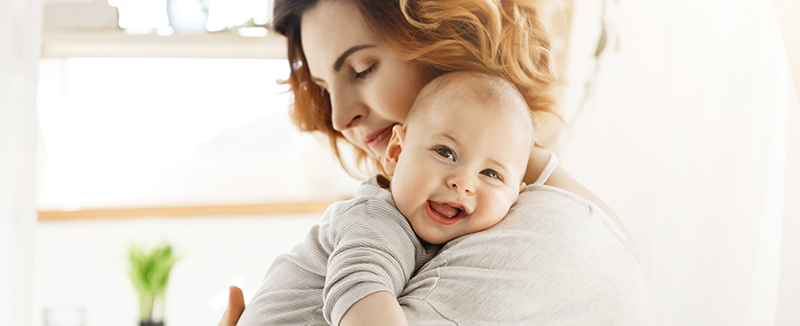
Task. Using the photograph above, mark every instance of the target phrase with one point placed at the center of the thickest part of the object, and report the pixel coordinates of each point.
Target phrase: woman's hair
(503, 37)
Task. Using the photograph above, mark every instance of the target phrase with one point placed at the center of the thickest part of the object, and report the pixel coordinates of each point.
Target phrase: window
(145, 132)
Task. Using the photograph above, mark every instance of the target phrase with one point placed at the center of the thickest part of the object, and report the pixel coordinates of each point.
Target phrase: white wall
(175, 132)
(83, 263)
(691, 139)
(20, 39)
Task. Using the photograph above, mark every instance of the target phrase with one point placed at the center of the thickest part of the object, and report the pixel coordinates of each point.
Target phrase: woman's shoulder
(560, 179)
(563, 214)
(563, 218)
(554, 250)
(546, 222)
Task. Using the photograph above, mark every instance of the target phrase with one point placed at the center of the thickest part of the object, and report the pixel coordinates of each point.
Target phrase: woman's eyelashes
(366, 72)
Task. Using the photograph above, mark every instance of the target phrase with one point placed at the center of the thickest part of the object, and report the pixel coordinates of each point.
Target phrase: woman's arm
(379, 308)
(561, 179)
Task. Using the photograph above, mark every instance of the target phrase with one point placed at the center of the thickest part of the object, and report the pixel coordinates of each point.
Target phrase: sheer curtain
(20, 47)
(691, 136)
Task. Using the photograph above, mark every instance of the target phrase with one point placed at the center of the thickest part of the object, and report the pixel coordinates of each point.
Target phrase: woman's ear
(393, 150)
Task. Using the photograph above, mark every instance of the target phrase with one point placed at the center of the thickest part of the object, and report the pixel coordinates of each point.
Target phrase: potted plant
(149, 272)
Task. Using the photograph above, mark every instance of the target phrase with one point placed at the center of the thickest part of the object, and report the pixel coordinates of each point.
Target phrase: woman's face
(370, 89)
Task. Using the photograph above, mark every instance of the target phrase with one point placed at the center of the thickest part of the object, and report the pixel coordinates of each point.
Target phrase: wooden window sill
(187, 211)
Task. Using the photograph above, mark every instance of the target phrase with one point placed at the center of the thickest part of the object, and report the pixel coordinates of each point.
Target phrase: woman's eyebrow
(340, 61)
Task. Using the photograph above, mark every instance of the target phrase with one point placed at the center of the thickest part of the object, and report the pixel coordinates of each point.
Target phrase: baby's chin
(438, 237)
(435, 240)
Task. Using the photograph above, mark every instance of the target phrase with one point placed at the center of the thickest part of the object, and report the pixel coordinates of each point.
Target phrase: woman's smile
(378, 139)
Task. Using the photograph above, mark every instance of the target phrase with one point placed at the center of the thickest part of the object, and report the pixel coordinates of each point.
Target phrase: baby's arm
(379, 308)
(374, 254)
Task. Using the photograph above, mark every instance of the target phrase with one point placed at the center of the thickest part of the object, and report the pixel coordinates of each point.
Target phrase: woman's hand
(235, 307)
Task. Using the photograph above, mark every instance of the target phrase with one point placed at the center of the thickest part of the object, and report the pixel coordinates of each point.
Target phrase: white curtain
(20, 47)
(692, 137)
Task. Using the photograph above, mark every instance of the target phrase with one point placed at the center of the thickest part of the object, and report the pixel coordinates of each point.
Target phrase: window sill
(187, 211)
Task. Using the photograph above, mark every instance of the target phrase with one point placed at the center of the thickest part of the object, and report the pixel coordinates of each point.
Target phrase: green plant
(149, 272)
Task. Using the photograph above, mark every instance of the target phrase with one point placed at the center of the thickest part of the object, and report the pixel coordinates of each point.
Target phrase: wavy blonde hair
(503, 37)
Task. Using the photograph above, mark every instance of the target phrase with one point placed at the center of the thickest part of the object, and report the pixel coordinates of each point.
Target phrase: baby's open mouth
(446, 213)
(448, 210)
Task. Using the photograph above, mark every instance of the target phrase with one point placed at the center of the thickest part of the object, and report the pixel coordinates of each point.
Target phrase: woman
(561, 256)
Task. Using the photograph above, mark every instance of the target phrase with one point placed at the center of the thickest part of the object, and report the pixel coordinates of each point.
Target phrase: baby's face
(459, 168)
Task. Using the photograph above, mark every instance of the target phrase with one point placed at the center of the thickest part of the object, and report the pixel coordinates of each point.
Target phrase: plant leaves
(149, 273)
(601, 43)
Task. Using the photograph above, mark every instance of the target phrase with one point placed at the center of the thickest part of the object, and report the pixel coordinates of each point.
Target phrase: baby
(456, 167)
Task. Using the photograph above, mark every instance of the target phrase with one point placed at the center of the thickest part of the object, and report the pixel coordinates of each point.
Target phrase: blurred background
(162, 121)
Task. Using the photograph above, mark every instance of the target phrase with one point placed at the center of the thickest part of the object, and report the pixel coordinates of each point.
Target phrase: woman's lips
(376, 139)
(440, 218)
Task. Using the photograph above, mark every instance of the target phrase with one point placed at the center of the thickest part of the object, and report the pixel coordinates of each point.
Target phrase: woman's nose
(347, 111)
(461, 183)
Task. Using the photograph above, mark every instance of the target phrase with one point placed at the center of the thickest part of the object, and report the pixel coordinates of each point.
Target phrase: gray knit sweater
(360, 247)
(556, 259)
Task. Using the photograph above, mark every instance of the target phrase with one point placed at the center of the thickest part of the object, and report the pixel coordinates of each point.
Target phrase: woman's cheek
(397, 97)
(349, 135)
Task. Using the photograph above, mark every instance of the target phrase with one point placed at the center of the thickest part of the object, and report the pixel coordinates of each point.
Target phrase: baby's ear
(393, 150)
(522, 186)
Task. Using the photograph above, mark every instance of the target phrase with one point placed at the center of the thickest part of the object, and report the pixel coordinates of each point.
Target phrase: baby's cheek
(503, 204)
(403, 195)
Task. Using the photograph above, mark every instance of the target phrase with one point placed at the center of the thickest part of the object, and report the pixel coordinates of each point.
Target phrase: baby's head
(457, 163)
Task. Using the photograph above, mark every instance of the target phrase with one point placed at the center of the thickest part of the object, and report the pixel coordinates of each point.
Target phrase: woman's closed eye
(366, 72)
(446, 153)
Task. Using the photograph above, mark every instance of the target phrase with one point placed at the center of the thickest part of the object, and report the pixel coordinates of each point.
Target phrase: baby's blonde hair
(482, 89)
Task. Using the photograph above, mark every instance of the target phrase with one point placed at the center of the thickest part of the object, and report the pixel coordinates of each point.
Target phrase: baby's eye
(491, 173)
(446, 153)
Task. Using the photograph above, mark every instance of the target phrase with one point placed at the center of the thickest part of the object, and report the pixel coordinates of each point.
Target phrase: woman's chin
(378, 153)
